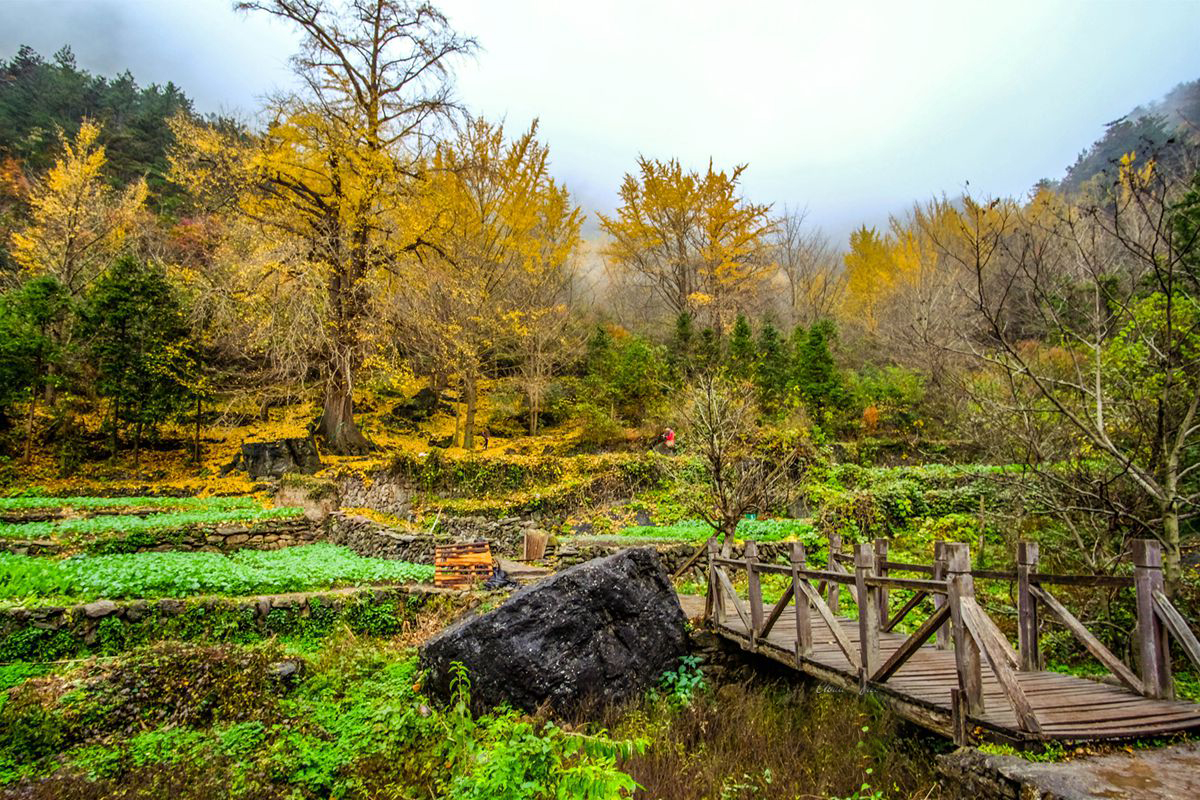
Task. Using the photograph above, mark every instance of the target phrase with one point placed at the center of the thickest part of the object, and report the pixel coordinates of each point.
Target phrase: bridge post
(716, 601)
(803, 619)
(961, 588)
(834, 589)
(881, 554)
(939, 574)
(1027, 612)
(1154, 652)
(868, 609)
(754, 592)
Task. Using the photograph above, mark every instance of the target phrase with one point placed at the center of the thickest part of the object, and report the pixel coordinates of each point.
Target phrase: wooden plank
(912, 644)
(834, 628)
(1178, 627)
(1094, 646)
(977, 624)
(899, 616)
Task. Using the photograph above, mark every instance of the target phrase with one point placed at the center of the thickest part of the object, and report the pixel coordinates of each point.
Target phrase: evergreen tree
(682, 347)
(772, 370)
(138, 343)
(29, 356)
(741, 350)
(817, 380)
(708, 350)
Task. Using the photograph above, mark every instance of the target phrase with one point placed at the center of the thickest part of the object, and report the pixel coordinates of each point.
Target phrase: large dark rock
(271, 459)
(602, 631)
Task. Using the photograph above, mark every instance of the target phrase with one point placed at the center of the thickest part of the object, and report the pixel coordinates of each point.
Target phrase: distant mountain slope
(1164, 126)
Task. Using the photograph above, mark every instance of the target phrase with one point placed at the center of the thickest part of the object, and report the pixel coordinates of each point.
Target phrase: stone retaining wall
(375, 540)
(672, 554)
(30, 634)
(268, 535)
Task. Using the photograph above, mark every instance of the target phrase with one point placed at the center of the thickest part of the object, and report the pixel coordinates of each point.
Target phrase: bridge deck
(1067, 708)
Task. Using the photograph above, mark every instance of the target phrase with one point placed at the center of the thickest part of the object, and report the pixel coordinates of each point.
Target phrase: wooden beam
(776, 613)
(835, 627)
(899, 616)
(1094, 646)
(737, 604)
(912, 644)
(1178, 627)
(977, 624)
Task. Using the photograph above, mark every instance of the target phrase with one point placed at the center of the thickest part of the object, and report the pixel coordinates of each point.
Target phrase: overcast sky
(853, 108)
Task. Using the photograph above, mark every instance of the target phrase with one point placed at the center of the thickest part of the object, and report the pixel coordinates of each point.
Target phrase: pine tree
(816, 377)
(139, 343)
(771, 370)
(681, 351)
(741, 350)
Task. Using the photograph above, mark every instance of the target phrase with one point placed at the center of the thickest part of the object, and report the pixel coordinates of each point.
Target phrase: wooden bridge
(969, 683)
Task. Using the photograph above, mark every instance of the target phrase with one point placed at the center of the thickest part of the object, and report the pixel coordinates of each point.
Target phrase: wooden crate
(460, 566)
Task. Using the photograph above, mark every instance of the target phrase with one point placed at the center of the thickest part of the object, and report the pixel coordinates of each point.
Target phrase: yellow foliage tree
(506, 233)
(690, 238)
(78, 222)
(332, 184)
(870, 274)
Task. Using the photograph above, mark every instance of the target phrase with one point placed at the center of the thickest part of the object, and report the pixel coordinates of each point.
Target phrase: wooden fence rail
(947, 589)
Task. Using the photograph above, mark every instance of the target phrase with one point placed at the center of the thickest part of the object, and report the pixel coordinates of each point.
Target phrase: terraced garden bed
(36, 581)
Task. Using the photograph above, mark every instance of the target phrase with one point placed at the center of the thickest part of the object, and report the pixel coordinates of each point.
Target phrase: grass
(131, 523)
(81, 578)
(87, 503)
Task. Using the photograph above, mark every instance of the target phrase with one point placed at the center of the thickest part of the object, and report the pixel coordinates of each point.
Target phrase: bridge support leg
(1027, 611)
(939, 574)
(961, 587)
(803, 618)
(1153, 648)
(868, 609)
(881, 593)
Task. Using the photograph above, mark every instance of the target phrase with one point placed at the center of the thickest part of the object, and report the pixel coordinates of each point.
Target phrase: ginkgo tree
(691, 238)
(333, 183)
(78, 222)
(506, 231)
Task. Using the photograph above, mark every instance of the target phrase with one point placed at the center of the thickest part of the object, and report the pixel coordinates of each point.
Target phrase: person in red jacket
(669, 440)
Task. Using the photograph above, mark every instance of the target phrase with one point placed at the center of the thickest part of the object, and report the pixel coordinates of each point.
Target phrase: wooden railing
(954, 616)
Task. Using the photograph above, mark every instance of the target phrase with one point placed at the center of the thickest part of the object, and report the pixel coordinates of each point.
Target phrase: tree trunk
(196, 447)
(470, 389)
(137, 443)
(1172, 569)
(337, 425)
(116, 426)
(728, 529)
(29, 426)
